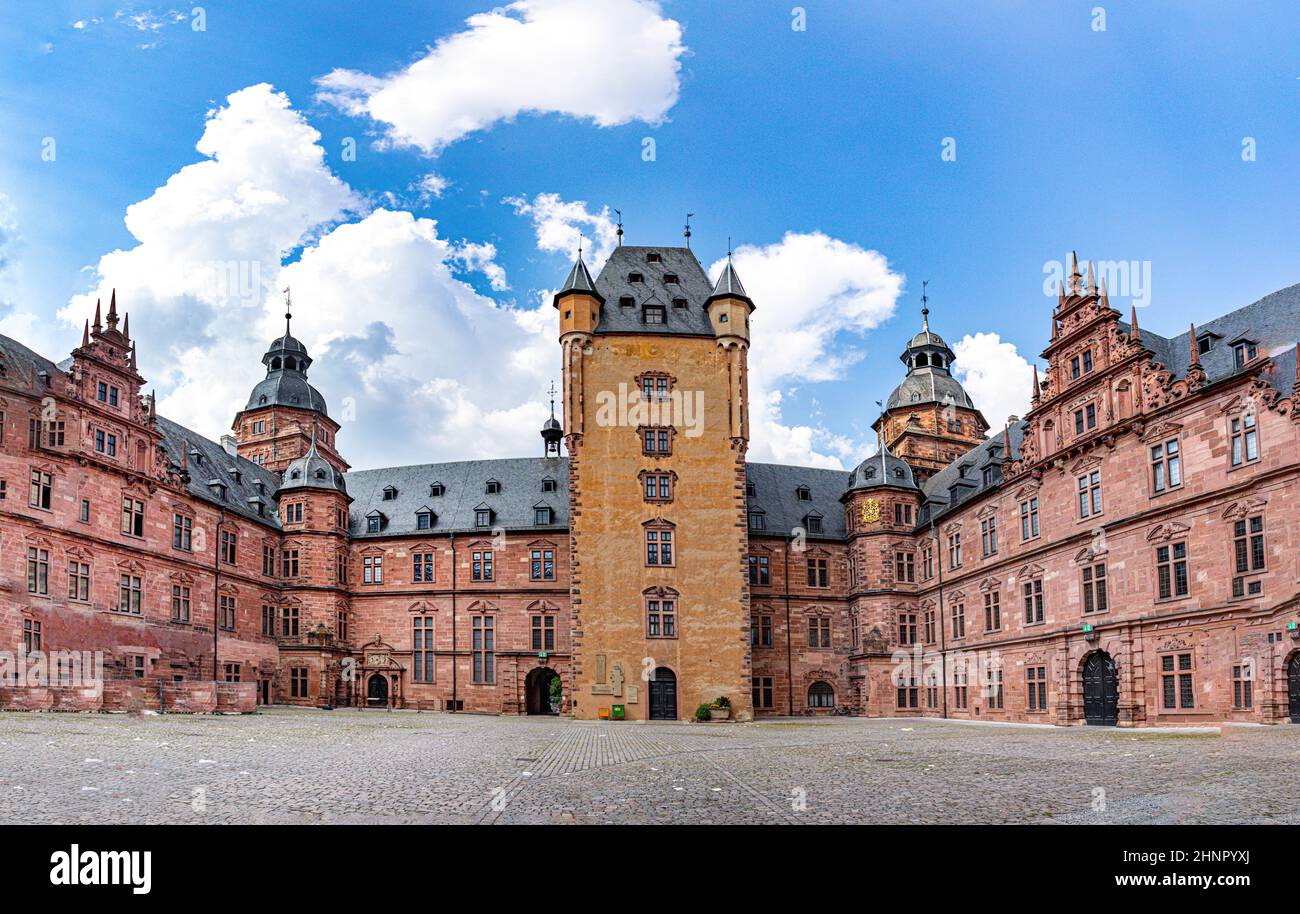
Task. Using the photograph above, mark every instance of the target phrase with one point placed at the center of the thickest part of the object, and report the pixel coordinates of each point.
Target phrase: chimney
(228, 442)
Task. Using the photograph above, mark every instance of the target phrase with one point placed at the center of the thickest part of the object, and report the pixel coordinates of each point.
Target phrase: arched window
(922, 360)
(275, 364)
(290, 364)
(821, 695)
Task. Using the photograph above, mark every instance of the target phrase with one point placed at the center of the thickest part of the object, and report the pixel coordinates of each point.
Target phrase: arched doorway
(542, 691)
(1100, 690)
(663, 694)
(821, 696)
(377, 690)
(1293, 686)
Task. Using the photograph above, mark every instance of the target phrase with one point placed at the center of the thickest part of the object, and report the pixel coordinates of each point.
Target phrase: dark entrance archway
(539, 687)
(1100, 690)
(663, 694)
(377, 690)
(1293, 686)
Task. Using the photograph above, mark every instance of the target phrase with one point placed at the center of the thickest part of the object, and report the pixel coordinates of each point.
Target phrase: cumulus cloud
(607, 61)
(995, 375)
(558, 224)
(810, 290)
(416, 364)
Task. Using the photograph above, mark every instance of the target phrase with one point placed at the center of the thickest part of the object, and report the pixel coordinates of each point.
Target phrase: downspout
(789, 635)
(216, 580)
(454, 663)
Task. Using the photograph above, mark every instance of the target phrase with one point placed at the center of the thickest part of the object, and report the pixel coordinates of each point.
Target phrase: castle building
(1125, 553)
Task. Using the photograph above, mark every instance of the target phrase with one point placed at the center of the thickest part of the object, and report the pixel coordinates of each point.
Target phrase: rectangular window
(762, 692)
(137, 666)
(1090, 494)
(79, 581)
(929, 628)
(995, 690)
(372, 569)
(1094, 589)
(1177, 692)
(656, 441)
(298, 682)
(661, 618)
(31, 636)
(268, 560)
(232, 672)
(992, 612)
(908, 693)
(482, 565)
(658, 487)
(905, 567)
(42, 484)
(906, 628)
(132, 517)
(1166, 466)
(989, 535)
(422, 567)
(227, 614)
(954, 550)
(960, 687)
(959, 620)
(483, 649)
(1087, 361)
(229, 542)
(180, 603)
(289, 563)
(542, 561)
(341, 624)
(130, 595)
(818, 573)
(1033, 591)
(289, 622)
(268, 620)
(341, 566)
(1243, 686)
(1248, 555)
(1171, 570)
(1245, 440)
(38, 571)
(543, 633)
(927, 563)
(760, 574)
(760, 631)
(54, 433)
(1036, 687)
(422, 655)
(182, 532)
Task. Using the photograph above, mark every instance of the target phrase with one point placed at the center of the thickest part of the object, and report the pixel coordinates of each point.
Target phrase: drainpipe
(789, 635)
(943, 650)
(216, 580)
(454, 663)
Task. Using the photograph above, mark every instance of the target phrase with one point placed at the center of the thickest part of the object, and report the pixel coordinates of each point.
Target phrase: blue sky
(809, 148)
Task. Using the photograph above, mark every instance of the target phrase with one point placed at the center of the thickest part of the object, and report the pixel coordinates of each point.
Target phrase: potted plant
(720, 709)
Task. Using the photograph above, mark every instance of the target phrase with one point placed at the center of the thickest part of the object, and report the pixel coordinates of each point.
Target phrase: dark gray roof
(776, 496)
(882, 469)
(312, 471)
(209, 465)
(929, 385)
(692, 284)
(21, 366)
(286, 388)
(729, 282)
(927, 338)
(464, 489)
(578, 280)
(964, 477)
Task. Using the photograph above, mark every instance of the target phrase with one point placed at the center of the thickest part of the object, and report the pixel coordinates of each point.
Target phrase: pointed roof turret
(579, 281)
(112, 311)
(729, 286)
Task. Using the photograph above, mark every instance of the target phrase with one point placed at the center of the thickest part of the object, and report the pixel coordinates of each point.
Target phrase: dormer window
(635, 277)
(374, 522)
(236, 474)
(670, 278)
(679, 303)
(390, 493)
(757, 520)
(813, 523)
(653, 314)
(1243, 352)
(803, 493)
(991, 475)
(543, 516)
(483, 517)
(493, 487)
(626, 301)
(218, 489)
(425, 519)
(436, 490)
(548, 485)
(1205, 342)
(652, 257)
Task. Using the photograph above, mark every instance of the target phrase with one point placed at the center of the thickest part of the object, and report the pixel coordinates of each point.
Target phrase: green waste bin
(617, 712)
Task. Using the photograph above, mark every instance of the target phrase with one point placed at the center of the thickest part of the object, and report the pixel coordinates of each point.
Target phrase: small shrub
(702, 712)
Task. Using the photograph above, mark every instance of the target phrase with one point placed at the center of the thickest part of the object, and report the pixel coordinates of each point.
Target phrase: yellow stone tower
(656, 422)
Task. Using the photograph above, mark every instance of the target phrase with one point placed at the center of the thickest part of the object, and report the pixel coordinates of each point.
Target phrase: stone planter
(719, 714)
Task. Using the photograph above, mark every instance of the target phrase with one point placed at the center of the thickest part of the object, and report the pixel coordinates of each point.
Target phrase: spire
(552, 432)
(1092, 282)
(728, 282)
(1134, 331)
(98, 323)
(1037, 389)
(112, 311)
(579, 280)
(153, 404)
(1105, 297)
(1076, 279)
(925, 306)
(1060, 294)
(85, 336)
(126, 326)
(1195, 352)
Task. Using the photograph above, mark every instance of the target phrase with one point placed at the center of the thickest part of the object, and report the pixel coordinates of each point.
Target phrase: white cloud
(607, 61)
(430, 186)
(808, 290)
(481, 258)
(558, 224)
(995, 375)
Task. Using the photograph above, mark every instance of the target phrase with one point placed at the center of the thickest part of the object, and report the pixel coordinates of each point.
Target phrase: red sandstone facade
(1060, 571)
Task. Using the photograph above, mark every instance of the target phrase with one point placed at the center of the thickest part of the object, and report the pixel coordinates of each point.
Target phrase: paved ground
(366, 766)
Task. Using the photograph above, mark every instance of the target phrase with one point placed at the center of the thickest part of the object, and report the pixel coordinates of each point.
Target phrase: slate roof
(692, 285)
(312, 471)
(464, 489)
(882, 469)
(775, 494)
(929, 385)
(286, 388)
(20, 365)
(964, 477)
(207, 463)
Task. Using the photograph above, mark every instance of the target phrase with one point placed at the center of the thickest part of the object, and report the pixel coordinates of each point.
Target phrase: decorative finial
(925, 306)
(1135, 332)
(1195, 351)
(98, 322)
(112, 311)
(288, 309)
(580, 240)
(728, 249)
(1037, 388)
(688, 229)
(552, 393)
(619, 233)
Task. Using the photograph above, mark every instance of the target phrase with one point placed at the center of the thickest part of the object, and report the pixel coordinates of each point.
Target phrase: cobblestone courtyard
(402, 767)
